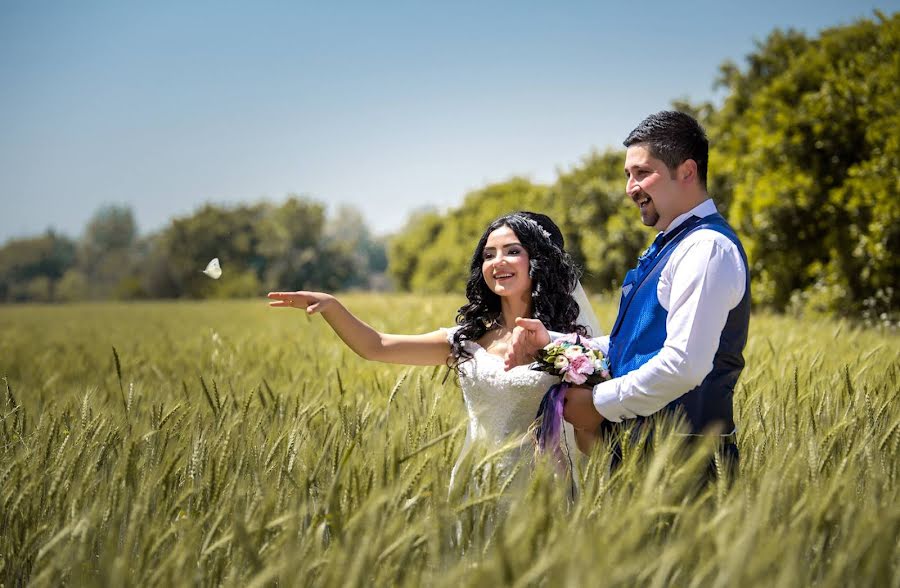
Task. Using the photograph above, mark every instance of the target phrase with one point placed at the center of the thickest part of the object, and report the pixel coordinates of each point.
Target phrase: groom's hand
(528, 337)
(579, 409)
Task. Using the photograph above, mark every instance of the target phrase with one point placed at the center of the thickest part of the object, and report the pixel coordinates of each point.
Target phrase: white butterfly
(213, 270)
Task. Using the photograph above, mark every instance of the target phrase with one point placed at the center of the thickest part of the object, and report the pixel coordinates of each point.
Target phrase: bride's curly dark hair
(553, 274)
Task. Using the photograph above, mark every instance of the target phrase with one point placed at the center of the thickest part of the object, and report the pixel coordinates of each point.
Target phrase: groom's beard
(649, 215)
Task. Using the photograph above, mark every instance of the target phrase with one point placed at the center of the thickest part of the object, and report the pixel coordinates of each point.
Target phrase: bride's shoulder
(468, 344)
(449, 332)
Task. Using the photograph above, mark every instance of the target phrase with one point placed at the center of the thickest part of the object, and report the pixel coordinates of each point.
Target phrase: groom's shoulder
(709, 235)
(712, 242)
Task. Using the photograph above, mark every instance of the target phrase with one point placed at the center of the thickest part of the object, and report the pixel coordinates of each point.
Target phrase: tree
(105, 254)
(434, 253)
(598, 221)
(292, 242)
(72, 286)
(807, 144)
(588, 202)
(405, 248)
(231, 234)
(347, 236)
(30, 268)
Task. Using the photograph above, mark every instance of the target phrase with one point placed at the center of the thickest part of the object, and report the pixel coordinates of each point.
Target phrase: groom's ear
(687, 171)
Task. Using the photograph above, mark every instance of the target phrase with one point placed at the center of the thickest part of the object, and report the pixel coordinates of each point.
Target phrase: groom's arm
(579, 409)
(710, 276)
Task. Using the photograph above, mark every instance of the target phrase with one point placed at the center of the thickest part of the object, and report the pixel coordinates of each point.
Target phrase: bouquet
(575, 361)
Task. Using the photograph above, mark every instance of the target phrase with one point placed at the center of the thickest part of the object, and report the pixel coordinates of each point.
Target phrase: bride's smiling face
(505, 264)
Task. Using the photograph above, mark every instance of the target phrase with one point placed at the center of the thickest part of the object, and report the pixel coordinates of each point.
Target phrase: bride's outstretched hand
(312, 302)
(529, 336)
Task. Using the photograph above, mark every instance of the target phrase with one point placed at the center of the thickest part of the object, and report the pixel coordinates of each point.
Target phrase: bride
(519, 269)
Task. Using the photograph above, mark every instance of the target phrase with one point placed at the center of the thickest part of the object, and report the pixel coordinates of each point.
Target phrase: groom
(677, 342)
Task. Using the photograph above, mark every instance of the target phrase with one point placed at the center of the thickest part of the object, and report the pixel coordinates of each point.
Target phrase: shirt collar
(704, 209)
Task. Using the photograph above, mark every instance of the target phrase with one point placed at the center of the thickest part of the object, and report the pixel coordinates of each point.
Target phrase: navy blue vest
(640, 331)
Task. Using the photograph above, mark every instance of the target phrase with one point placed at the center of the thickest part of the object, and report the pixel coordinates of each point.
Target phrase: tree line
(804, 162)
(260, 246)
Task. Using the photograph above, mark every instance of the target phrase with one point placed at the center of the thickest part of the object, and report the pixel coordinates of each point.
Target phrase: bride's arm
(530, 335)
(425, 349)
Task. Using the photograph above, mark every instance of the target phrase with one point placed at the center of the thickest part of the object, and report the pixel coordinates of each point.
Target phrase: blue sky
(386, 106)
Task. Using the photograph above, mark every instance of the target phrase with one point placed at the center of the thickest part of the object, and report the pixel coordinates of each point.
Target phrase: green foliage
(241, 445)
(807, 145)
(292, 246)
(106, 254)
(804, 161)
(290, 236)
(433, 252)
(352, 253)
(213, 231)
(406, 247)
(112, 227)
(72, 286)
(30, 268)
(243, 284)
(601, 226)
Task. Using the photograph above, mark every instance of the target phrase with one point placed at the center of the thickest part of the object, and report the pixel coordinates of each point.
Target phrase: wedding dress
(501, 406)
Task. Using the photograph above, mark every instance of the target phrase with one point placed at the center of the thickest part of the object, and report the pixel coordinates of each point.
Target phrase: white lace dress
(501, 406)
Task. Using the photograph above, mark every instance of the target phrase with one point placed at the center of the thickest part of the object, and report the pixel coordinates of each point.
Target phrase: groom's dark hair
(673, 137)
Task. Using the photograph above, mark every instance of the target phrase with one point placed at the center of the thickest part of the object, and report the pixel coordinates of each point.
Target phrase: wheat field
(227, 443)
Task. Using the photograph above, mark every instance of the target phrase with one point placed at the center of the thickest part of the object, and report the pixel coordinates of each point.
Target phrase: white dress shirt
(702, 281)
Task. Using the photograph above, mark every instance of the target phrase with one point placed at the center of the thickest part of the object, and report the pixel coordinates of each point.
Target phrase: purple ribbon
(550, 417)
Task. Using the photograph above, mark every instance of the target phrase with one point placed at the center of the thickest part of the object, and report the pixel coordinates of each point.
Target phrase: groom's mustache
(639, 196)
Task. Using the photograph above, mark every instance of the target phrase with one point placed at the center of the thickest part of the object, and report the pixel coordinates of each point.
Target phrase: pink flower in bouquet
(574, 377)
(575, 361)
(580, 368)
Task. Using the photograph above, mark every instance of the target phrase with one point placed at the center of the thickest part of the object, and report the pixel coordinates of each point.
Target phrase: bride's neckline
(482, 348)
(485, 351)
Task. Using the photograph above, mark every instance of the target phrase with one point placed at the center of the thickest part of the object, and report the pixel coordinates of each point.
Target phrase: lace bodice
(501, 404)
